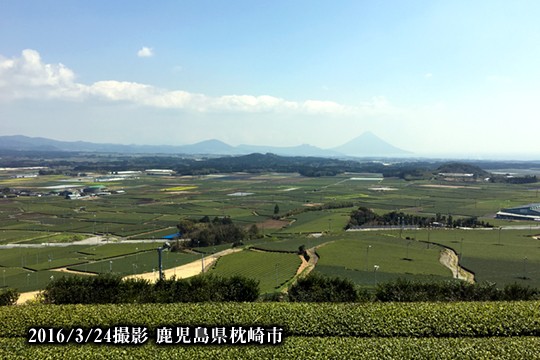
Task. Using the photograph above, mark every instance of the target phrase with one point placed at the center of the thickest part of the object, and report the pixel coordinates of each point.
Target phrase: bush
(112, 289)
(274, 297)
(9, 297)
(403, 290)
(208, 287)
(136, 291)
(101, 289)
(239, 288)
(317, 288)
(519, 292)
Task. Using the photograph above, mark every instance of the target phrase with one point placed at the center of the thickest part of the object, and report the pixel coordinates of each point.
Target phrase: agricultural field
(312, 213)
(272, 269)
(368, 258)
(364, 331)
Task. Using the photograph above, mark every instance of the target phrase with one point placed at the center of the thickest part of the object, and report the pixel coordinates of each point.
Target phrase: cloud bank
(28, 77)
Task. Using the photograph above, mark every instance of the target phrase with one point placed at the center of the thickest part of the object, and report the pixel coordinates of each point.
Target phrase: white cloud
(28, 77)
(428, 75)
(145, 52)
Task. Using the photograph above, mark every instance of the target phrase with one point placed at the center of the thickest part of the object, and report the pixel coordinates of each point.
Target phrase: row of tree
(112, 289)
(366, 217)
(319, 288)
(219, 230)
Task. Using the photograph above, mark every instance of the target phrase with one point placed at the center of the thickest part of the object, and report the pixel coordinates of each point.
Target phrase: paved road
(506, 227)
(96, 240)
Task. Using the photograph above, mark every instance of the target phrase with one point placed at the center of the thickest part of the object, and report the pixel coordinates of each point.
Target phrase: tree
(317, 288)
(276, 209)
(253, 232)
(362, 216)
(449, 221)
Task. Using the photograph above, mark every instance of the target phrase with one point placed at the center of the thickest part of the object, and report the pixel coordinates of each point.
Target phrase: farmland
(44, 238)
(89, 235)
(367, 331)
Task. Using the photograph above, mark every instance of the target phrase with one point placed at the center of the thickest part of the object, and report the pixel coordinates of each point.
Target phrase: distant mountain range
(365, 145)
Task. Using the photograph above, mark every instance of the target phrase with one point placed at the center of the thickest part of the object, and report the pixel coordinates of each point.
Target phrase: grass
(143, 262)
(319, 221)
(146, 211)
(292, 243)
(272, 270)
(367, 258)
(513, 259)
(28, 257)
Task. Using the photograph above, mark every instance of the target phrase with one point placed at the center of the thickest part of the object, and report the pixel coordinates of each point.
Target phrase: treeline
(75, 162)
(327, 206)
(319, 288)
(220, 230)
(527, 179)
(112, 289)
(462, 168)
(366, 217)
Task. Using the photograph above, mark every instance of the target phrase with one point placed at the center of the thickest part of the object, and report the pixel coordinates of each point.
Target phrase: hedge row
(473, 319)
(112, 289)
(294, 347)
(404, 290)
(319, 288)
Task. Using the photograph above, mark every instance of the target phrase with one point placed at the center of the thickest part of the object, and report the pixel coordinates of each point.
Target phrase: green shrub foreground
(470, 319)
(459, 330)
(295, 348)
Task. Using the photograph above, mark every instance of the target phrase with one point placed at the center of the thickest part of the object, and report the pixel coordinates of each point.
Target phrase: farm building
(526, 212)
(159, 172)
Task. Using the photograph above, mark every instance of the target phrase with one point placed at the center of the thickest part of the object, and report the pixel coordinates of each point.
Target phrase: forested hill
(65, 162)
(78, 162)
(462, 168)
(254, 163)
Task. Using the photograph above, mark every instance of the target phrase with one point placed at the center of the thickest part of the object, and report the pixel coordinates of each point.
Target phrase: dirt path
(181, 272)
(27, 296)
(307, 266)
(187, 270)
(449, 259)
(66, 270)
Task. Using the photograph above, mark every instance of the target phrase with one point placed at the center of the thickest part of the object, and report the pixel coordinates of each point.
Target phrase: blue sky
(432, 77)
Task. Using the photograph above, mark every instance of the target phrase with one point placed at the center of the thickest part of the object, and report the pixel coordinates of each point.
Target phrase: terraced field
(272, 269)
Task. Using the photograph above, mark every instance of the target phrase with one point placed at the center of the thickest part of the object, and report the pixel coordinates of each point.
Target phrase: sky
(437, 78)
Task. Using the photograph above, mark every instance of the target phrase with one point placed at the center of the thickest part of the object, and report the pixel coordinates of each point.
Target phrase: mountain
(366, 145)
(370, 145)
(207, 147)
(300, 150)
(25, 143)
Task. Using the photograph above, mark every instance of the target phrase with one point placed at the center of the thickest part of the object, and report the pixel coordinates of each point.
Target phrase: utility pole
(367, 257)
(160, 264)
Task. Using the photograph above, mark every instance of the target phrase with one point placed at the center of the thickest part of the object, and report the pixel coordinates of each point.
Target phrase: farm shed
(526, 212)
